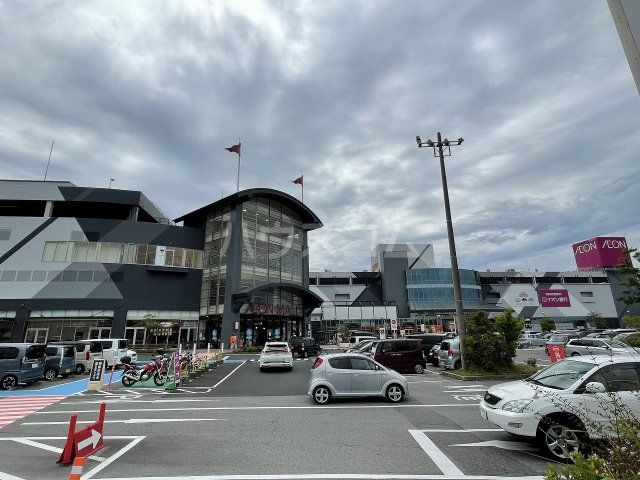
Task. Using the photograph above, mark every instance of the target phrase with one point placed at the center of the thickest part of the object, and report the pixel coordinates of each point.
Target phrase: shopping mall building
(78, 263)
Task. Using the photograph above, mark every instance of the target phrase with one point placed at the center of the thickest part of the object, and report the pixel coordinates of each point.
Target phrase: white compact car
(276, 355)
(569, 403)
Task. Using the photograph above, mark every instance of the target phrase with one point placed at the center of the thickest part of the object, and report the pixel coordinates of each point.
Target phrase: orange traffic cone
(76, 469)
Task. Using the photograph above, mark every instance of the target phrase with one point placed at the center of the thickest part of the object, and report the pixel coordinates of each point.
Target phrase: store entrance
(257, 331)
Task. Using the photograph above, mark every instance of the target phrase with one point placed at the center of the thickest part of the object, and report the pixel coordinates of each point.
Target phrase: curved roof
(310, 220)
(310, 299)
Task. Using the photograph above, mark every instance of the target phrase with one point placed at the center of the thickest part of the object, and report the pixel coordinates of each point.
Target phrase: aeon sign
(601, 252)
(554, 298)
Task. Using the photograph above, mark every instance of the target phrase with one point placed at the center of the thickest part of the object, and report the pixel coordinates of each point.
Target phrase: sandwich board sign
(97, 373)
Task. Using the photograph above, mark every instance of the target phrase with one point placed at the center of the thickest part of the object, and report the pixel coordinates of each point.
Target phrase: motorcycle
(156, 369)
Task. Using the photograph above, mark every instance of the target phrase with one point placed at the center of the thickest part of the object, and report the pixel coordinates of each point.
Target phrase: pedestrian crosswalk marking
(15, 408)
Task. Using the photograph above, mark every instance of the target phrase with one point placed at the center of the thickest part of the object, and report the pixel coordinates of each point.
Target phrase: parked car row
(25, 363)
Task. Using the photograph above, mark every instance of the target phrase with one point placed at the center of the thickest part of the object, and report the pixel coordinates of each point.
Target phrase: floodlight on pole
(441, 149)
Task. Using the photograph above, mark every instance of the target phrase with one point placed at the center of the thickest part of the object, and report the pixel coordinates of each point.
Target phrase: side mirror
(595, 387)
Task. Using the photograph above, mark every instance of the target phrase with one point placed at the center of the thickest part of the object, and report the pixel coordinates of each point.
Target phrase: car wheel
(457, 365)
(262, 369)
(8, 382)
(321, 395)
(79, 369)
(418, 368)
(559, 438)
(575, 354)
(394, 393)
(50, 374)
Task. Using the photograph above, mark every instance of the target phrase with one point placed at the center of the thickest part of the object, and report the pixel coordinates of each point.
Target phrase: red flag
(299, 180)
(234, 149)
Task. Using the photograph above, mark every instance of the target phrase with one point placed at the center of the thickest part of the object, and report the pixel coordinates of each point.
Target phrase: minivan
(430, 339)
(450, 356)
(61, 360)
(357, 338)
(113, 349)
(86, 351)
(400, 354)
(304, 346)
(21, 363)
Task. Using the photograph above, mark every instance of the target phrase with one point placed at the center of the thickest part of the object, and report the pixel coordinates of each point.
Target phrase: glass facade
(436, 285)
(272, 249)
(214, 271)
(111, 252)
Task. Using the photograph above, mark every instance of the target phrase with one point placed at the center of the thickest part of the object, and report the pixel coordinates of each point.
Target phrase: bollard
(111, 377)
(76, 469)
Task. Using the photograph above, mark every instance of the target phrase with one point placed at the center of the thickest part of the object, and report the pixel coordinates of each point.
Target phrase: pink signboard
(601, 252)
(554, 298)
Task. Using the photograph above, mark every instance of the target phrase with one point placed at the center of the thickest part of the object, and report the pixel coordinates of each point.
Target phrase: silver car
(354, 375)
(596, 346)
(276, 354)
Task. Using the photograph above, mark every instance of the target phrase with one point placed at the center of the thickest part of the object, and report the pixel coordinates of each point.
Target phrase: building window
(586, 294)
(111, 252)
(342, 297)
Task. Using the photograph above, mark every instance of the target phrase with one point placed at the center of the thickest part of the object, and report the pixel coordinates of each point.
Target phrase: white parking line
(232, 372)
(292, 407)
(135, 420)
(446, 466)
(333, 476)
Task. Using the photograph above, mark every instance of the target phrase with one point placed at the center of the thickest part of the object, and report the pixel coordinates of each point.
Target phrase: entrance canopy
(310, 300)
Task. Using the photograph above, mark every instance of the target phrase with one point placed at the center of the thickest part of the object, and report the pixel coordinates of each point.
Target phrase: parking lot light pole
(441, 149)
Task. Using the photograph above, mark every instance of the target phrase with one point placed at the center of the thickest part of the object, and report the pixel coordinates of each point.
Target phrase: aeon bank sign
(554, 298)
(601, 252)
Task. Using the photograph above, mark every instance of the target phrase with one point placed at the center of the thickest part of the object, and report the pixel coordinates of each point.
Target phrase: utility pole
(441, 149)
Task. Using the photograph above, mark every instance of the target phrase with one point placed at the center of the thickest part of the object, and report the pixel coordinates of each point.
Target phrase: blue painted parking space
(67, 388)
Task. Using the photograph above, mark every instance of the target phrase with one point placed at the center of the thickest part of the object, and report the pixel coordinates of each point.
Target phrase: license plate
(33, 365)
(67, 370)
(483, 414)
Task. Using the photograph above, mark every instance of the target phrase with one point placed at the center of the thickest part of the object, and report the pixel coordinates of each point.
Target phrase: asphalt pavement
(237, 422)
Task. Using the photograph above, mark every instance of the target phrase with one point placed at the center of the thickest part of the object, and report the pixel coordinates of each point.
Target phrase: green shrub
(618, 459)
(532, 362)
(490, 345)
(633, 342)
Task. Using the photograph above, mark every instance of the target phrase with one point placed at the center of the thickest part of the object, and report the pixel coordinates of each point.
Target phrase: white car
(568, 403)
(276, 354)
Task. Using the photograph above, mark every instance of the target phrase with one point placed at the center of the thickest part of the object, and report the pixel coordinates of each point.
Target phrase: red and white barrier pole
(67, 451)
(76, 469)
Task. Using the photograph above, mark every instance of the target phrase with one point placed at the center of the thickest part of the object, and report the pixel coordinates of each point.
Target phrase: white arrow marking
(503, 444)
(93, 439)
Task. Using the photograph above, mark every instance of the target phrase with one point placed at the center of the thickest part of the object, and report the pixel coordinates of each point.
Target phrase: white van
(355, 339)
(113, 349)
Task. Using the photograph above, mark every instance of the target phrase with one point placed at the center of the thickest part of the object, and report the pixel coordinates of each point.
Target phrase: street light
(441, 149)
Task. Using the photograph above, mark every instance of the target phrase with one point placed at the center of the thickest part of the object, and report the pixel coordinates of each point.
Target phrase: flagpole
(239, 153)
(302, 188)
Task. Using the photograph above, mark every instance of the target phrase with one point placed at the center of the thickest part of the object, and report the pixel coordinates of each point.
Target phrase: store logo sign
(270, 309)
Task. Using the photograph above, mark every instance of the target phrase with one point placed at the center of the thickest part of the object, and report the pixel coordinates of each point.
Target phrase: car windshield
(363, 344)
(616, 344)
(276, 347)
(561, 375)
(558, 338)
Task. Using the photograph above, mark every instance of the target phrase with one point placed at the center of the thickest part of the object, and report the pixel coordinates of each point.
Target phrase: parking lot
(236, 421)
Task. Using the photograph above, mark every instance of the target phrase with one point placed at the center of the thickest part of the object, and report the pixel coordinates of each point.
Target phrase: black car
(433, 357)
(429, 340)
(304, 346)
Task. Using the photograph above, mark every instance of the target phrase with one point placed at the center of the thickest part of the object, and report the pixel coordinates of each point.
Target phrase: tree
(633, 279)
(547, 324)
(632, 321)
(490, 345)
(595, 320)
(151, 324)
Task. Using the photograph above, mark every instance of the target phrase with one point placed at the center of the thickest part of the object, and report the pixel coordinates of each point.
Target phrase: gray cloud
(151, 93)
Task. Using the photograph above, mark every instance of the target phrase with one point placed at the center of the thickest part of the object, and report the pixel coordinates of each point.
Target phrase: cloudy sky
(150, 93)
